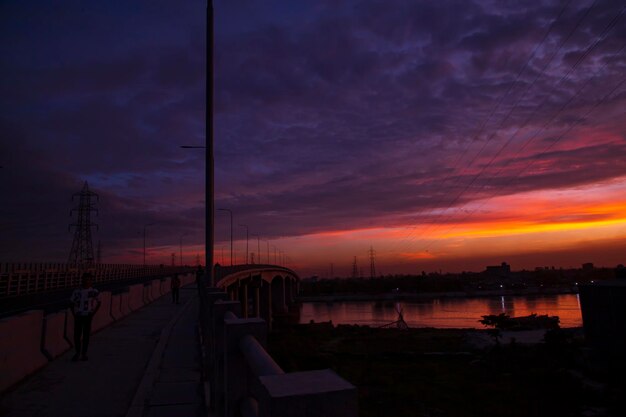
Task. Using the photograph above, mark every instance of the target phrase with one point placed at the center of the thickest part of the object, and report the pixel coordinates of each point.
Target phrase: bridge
(265, 291)
(150, 357)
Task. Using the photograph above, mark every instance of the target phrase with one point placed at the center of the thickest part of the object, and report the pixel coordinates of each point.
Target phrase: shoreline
(433, 295)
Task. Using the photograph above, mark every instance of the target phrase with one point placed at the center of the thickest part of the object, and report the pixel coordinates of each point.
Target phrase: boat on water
(530, 322)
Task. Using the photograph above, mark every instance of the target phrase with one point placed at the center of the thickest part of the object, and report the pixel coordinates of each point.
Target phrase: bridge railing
(17, 279)
(241, 378)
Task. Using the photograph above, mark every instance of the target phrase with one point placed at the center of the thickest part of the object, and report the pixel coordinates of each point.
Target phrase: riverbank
(454, 372)
(407, 296)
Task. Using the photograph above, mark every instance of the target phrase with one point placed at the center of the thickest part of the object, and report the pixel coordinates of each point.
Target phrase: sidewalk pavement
(145, 365)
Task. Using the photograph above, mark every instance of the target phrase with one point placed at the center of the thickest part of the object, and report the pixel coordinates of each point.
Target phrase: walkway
(145, 365)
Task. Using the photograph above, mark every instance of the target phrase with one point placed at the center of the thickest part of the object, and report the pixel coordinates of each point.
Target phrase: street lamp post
(208, 194)
(258, 248)
(247, 237)
(181, 249)
(209, 171)
(274, 254)
(268, 251)
(145, 226)
(231, 232)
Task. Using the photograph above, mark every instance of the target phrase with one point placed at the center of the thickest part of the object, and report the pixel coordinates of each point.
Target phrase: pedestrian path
(145, 365)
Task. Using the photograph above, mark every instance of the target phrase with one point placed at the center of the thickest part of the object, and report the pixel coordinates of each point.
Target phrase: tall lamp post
(258, 248)
(268, 250)
(247, 237)
(231, 232)
(181, 249)
(145, 226)
(209, 171)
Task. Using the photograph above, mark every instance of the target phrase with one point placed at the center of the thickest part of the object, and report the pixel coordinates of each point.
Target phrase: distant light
(501, 285)
(575, 283)
(592, 281)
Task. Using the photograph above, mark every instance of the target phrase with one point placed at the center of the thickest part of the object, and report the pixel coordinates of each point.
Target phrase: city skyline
(447, 136)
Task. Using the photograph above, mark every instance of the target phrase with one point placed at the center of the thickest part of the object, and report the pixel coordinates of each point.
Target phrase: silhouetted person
(175, 286)
(85, 303)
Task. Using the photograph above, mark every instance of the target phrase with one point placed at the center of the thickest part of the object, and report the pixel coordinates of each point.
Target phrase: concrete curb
(138, 404)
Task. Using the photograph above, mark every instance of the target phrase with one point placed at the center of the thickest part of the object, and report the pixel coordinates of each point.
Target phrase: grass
(397, 374)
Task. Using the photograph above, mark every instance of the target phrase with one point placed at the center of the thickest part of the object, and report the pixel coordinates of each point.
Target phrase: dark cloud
(329, 115)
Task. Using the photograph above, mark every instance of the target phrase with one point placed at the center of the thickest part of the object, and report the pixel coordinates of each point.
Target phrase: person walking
(85, 303)
(175, 287)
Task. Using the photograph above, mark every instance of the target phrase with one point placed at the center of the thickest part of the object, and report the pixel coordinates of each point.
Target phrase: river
(443, 312)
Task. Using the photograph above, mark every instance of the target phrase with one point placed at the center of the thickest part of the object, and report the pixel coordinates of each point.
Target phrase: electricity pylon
(81, 254)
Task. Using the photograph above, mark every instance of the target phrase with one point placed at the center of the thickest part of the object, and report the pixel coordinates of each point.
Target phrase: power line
(500, 101)
(609, 26)
(547, 149)
(601, 37)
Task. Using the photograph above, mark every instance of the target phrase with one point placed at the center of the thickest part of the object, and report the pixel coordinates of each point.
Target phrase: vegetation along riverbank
(457, 372)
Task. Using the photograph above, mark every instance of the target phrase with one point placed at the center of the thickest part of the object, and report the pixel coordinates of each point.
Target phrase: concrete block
(147, 293)
(69, 327)
(116, 306)
(311, 393)
(103, 317)
(53, 338)
(165, 285)
(135, 297)
(187, 279)
(216, 325)
(235, 382)
(125, 304)
(20, 347)
(155, 289)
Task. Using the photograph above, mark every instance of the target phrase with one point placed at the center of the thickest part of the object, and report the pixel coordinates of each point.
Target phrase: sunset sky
(447, 135)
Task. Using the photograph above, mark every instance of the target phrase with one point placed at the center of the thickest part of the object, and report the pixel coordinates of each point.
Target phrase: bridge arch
(263, 290)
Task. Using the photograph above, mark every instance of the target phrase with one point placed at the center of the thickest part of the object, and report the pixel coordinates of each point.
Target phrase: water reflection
(445, 312)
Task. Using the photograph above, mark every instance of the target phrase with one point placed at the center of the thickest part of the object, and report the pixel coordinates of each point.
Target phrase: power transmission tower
(355, 269)
(82, 247)
(372, 254)
(173, 258)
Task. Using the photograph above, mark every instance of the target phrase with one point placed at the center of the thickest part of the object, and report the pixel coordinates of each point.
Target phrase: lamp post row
(281, 253)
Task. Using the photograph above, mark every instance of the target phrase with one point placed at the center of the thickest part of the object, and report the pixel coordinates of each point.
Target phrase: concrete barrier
(155, 289)
(53, 342)
(125, 303)
(116, 306)
(187, 279)
(147, 296)
(20, 347)
(102, 318)
(135, 297)
(165, 285)
(69, 327)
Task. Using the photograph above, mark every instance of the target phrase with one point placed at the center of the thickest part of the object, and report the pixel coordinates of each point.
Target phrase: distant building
(603, 306)
(502, 270)
(588, 266)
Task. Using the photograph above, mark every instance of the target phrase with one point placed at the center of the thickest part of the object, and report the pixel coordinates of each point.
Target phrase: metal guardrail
(18, 279)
